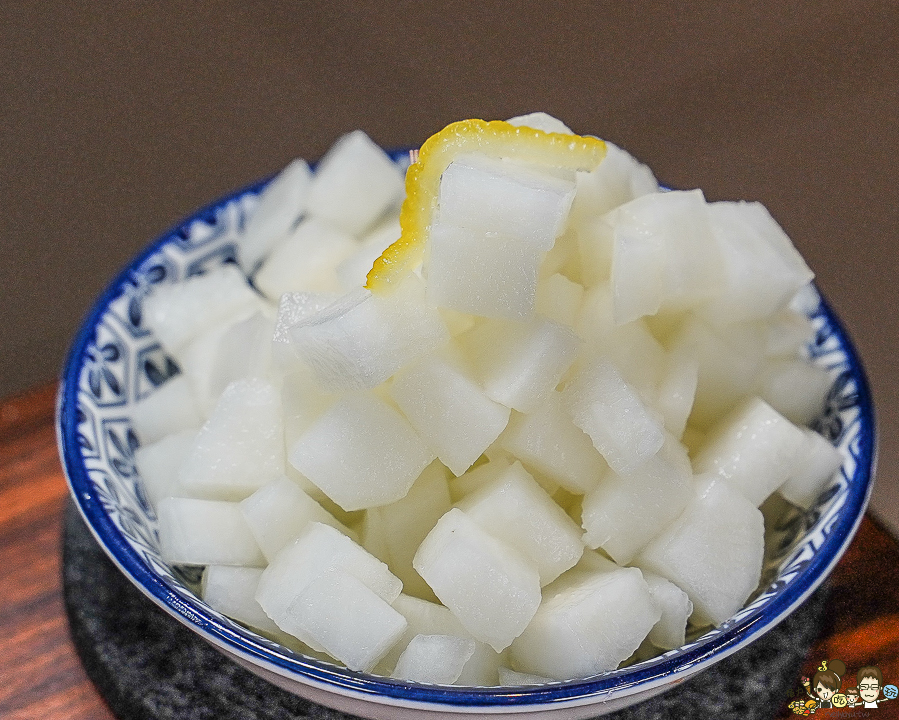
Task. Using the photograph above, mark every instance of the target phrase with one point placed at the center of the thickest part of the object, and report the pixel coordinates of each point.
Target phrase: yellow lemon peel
(494, 138)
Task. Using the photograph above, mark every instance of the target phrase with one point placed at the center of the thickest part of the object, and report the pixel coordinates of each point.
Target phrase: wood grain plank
(42, 675)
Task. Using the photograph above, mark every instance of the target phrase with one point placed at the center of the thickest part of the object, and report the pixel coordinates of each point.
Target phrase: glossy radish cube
(362, 339)
(669, 632)
(677, 391)
(319, 549)
(795, 388)
(158, 463)
(520, 364)
(361, 453)
(559, 299)
(294, 307)
(588, 627)
(484, 195)
(278, 512)
(753, 449)
(306, 260)
(664, 254)
(422, 618)
(241, 446)
(624, 512)
(232, 592)
(170, 408)
(434, 659)
(477, 477)
(233, 350)
(179, 312)
(488, 585)
(513, 678)
(713, 551)
(550, 443)
(205, 532)
(280, 205)
(761, 269)
(624, 430)
(515, 509)
(394, 532)
(813, 469)
(341, 615)
(449, 411)
(487, 274)
(303, 402)
(618, 179)
(354, 184)
(729, 363)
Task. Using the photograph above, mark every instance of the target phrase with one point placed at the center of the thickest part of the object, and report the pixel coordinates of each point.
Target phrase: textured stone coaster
(148, 666)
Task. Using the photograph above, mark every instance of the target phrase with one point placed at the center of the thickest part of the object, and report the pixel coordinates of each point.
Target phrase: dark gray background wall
(117, 119)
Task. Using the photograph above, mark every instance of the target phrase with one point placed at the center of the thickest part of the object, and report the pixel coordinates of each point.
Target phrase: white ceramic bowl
(115, 361)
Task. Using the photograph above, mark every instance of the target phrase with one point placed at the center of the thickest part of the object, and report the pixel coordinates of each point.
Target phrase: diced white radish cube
(232, 591)
(361, 453)
(559, 299)
(549, 442)
(618, 179)
(479, 476)
(320, 549)
(729, 365)
(788, 333)
(306, 260)
(713, 551)
(280, 205)
(516, 510)
(362, 339)
(176, 313)
(813, 469)
(624, 512)
(486, 274)
(354, 184)
(205, 532)
(345, 618)
(588, 627)
(664, 254)
(278, 512)
(669, 632)
(519, 364)
(233, 350)
(241, 446)
(677, 391)
(448, 410)
(753, 449)
(435, 659)
(422, 618)
(486, 195)
(353, 272)
(761, 269)
(512, 678)
(612, 413)
(795, 388)
(170, 408)
(158, 463)
(292, 308)
(488, 586)
(394, 532)
(303, 401)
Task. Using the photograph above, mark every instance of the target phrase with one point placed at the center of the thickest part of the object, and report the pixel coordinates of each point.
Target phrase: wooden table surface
(42, 678)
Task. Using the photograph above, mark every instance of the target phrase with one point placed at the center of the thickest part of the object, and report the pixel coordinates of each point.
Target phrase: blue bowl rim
(342, 680)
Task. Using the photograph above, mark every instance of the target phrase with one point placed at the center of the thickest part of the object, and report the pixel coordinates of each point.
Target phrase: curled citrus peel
(494, 138)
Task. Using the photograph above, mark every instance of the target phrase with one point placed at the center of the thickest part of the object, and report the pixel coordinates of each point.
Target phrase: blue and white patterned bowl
(115, 361)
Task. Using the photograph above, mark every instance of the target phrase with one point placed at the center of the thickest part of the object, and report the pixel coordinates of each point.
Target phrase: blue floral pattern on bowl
(115, 362)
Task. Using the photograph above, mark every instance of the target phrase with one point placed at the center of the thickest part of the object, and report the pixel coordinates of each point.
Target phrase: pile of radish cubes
(533, 453)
